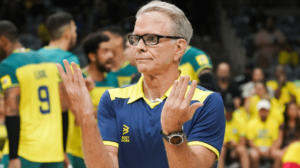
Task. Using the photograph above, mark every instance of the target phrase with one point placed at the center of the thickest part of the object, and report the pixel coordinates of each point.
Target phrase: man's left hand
(177, 109)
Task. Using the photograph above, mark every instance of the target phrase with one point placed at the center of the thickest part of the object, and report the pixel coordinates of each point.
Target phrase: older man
(160, 121)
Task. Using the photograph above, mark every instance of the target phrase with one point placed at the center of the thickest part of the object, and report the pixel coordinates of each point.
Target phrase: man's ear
(67, 33)
(3, 41)
(92, 57)
(180, 47)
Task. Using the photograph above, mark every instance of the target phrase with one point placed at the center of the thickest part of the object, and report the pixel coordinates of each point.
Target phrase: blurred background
(225, 29)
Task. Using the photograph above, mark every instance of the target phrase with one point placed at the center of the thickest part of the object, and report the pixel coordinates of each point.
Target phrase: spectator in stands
(249, 88)
(234, 145)
(261, 133)
(288, 133)
(241, 112)
(289, 58)
(277, 109)
(226, 87)
(269, 39)
(291, 156)
(285, 91)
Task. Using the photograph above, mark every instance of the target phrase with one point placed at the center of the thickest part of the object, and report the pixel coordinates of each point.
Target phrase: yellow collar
(51, 47)
(138, 93)
(21, 50)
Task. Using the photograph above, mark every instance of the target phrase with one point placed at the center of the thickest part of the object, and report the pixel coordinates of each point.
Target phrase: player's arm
(176, 111)
(95, 152)
(12, 122)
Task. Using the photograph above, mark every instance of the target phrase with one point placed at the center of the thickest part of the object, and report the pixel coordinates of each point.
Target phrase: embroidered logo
(125, 131)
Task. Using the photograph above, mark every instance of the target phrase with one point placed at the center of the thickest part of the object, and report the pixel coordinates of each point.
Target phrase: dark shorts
(28, 164)
(76, 162)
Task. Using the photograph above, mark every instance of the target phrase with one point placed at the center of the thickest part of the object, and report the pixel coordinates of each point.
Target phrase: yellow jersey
(276, 111)
(263, 134)
(193, 62)
(291, 158)
(241, 114)
(286, 92)
(234, 130)
(40, 110)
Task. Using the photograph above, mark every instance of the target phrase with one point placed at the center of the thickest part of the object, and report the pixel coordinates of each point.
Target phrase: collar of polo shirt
(138, 92)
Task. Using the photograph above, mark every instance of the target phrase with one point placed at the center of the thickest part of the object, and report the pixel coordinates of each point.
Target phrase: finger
(61, 72)
(80, 78)
(191, 92)
(75, 76)
(68, 68)
(177, 91)
(194, 107)
(175, 84)
(186, 80)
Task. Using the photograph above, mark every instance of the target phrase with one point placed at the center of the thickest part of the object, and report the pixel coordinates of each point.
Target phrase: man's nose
(141, 46)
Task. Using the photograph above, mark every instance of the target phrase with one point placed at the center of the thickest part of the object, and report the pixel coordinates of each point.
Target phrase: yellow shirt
(241, 114)
(292, 155)
(234, 130)
(288, 58)
(276, 111)
(286, 91)
(263, 134)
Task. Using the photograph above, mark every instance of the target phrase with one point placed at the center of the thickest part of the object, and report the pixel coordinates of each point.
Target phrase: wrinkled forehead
(153, 23)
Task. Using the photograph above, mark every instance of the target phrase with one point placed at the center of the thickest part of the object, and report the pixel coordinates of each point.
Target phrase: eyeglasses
(149, 39)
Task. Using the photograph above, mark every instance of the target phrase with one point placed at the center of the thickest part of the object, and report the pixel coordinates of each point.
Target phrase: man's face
(153, 58)
(116, 44)
(73, 34)
(104, 57)
(223, 71)
(129, 53)
(263, 113)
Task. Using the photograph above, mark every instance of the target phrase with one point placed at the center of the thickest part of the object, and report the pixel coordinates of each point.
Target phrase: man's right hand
(14, 163)
(77, 93)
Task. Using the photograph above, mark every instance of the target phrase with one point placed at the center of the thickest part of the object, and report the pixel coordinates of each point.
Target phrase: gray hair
(181, 26)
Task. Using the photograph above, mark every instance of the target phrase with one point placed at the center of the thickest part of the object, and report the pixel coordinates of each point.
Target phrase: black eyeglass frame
(158, 37)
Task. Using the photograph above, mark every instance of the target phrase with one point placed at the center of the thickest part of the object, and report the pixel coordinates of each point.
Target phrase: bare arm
(189, 156)
(243, 141)
(12, 101)
(96, 154)
(278, 141)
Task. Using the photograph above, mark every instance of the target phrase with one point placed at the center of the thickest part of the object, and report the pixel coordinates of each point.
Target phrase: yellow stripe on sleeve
(110, 143)
(193, 143)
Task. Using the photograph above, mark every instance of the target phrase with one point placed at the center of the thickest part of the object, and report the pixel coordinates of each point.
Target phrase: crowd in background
(262, 106)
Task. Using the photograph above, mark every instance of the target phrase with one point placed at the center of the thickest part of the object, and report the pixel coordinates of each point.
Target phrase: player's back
(40, 113)
(57, 55)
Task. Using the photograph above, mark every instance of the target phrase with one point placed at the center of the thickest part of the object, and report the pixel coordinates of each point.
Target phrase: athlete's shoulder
(124, 92)
(201, 94)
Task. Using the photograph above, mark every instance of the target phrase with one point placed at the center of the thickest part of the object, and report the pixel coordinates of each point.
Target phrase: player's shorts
(76, 162)
(28, 164)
